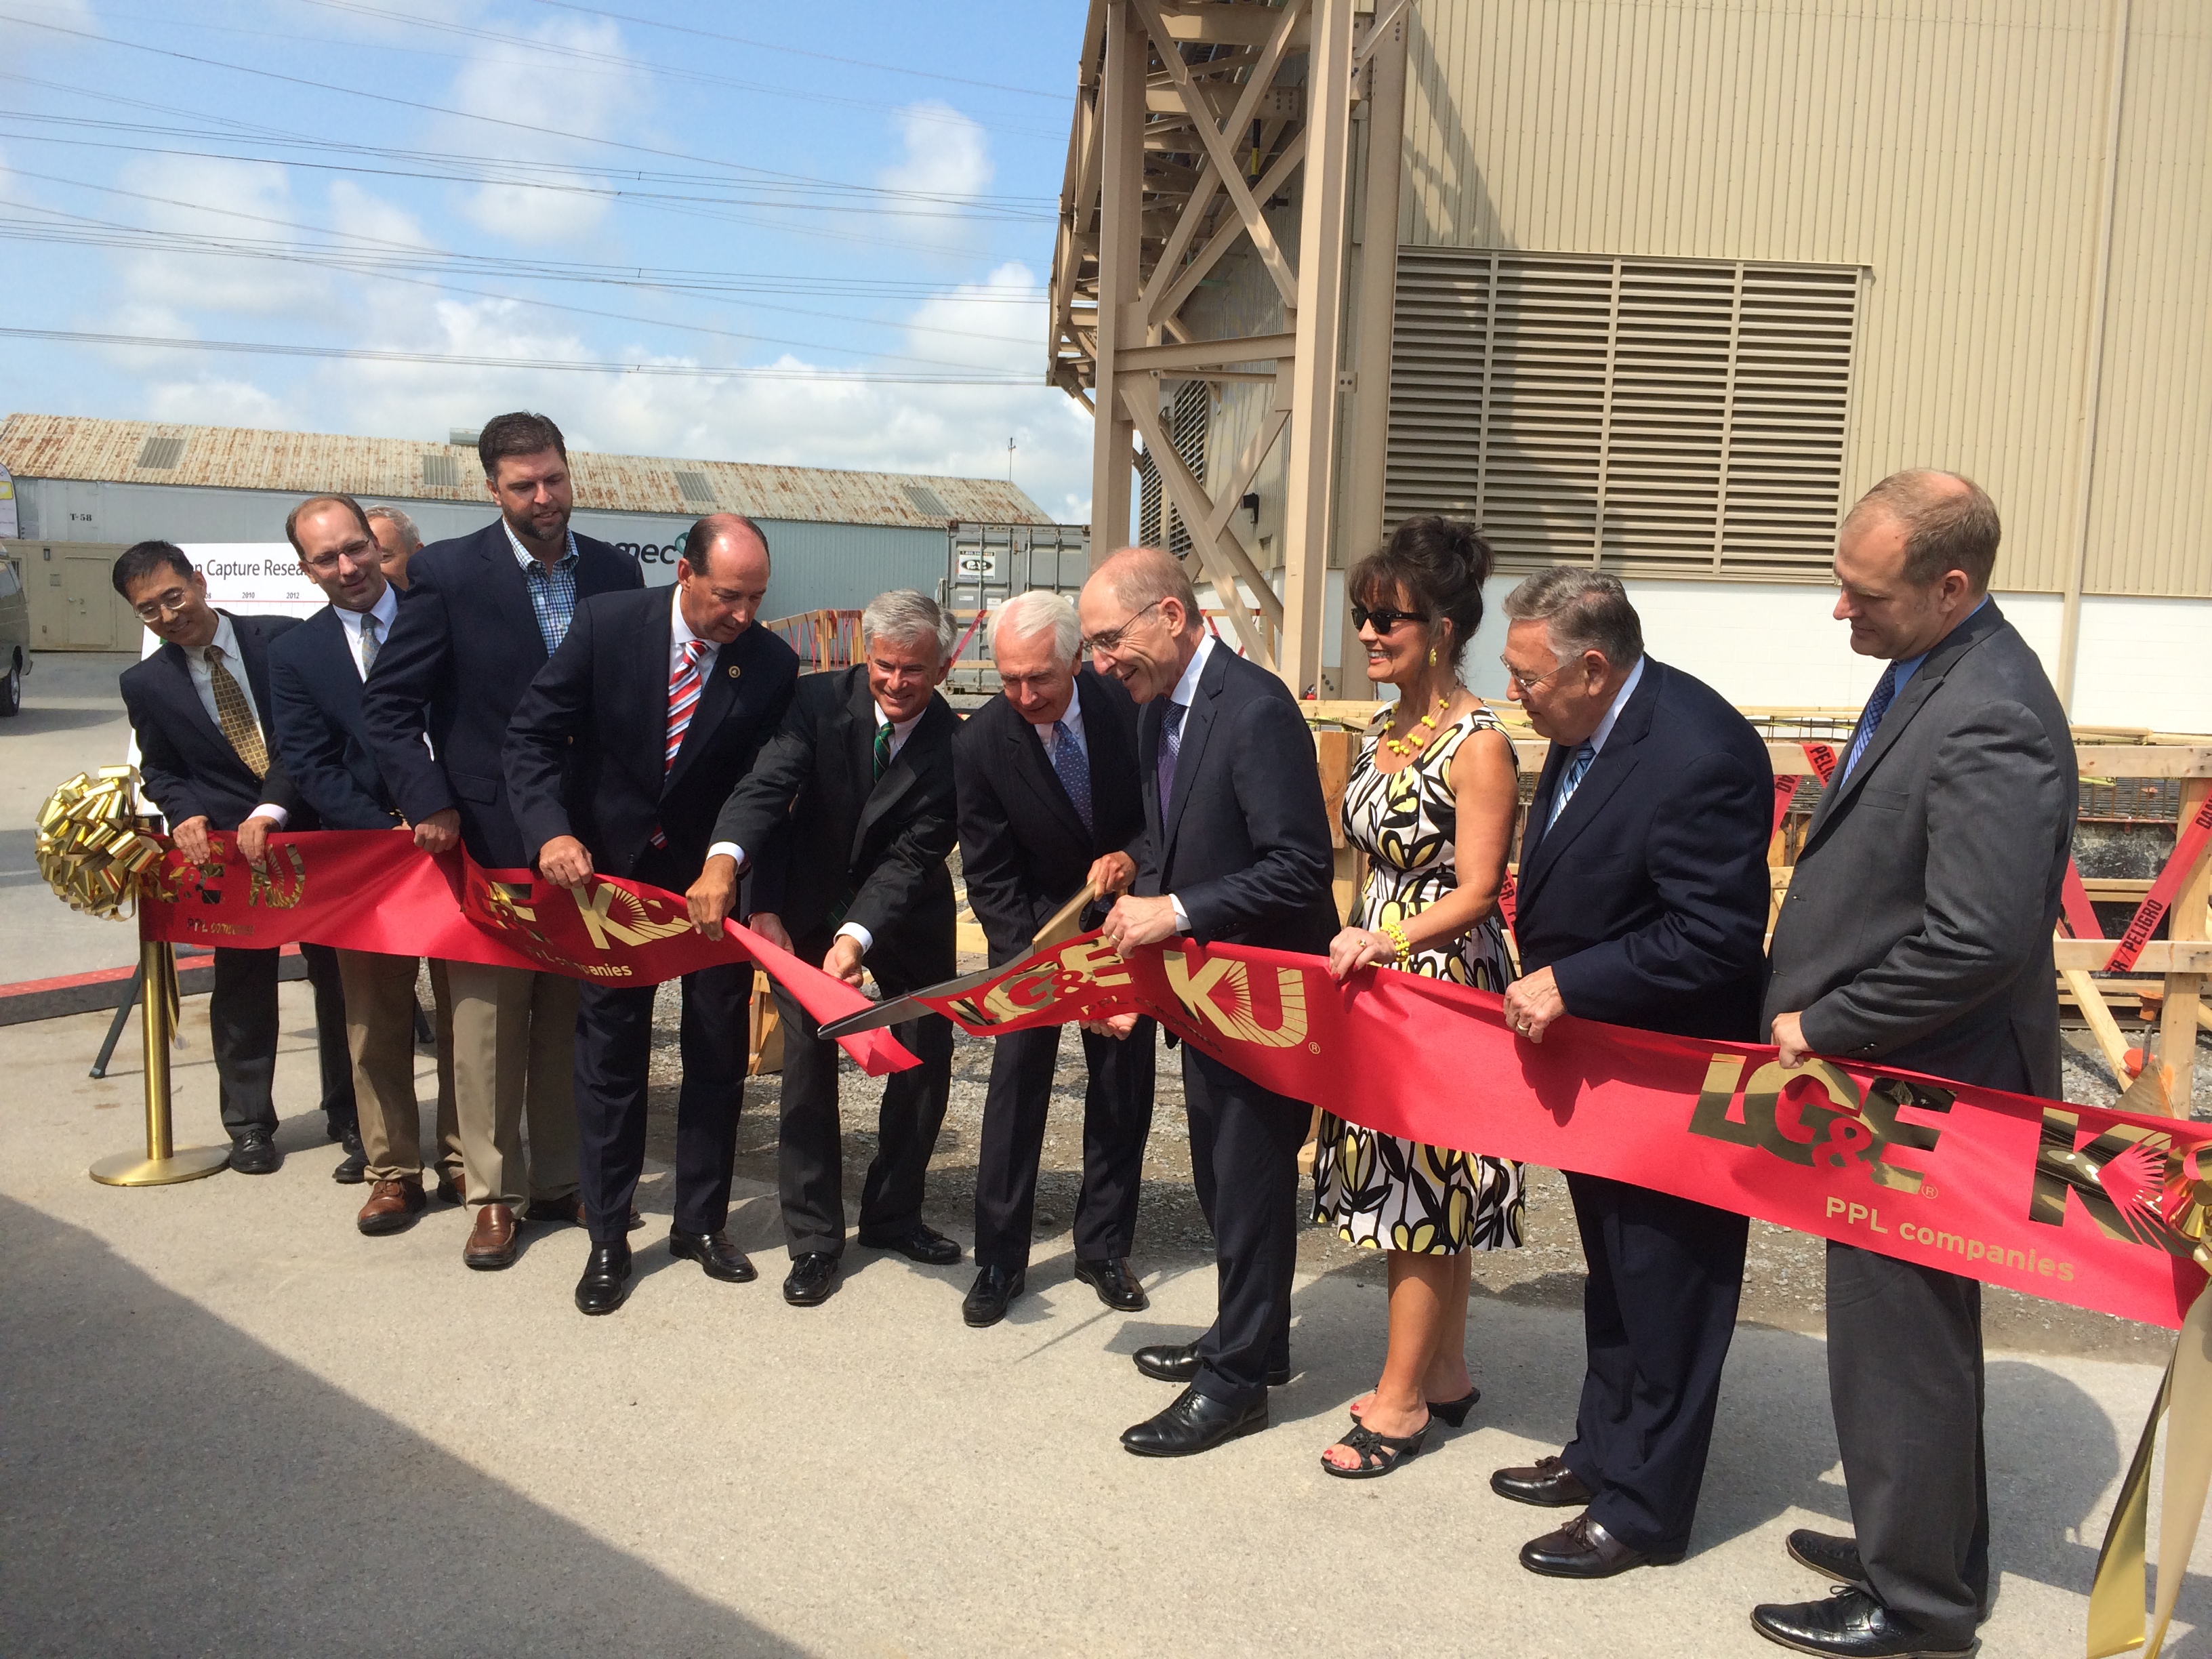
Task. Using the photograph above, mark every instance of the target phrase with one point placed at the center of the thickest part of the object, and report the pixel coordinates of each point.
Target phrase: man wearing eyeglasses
(315, 673)
(201, 708)
(1643, 895)
(1236, 851)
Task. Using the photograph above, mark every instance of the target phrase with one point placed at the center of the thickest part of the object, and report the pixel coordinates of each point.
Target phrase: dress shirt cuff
(277, 815)
(1182, 917)
(729, 848)
(854, 930)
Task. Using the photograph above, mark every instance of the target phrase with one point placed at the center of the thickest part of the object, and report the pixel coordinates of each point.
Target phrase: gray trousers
(1905, 1378)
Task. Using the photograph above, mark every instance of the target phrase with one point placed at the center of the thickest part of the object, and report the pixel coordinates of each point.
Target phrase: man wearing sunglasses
(202, 709)
(1236, 851)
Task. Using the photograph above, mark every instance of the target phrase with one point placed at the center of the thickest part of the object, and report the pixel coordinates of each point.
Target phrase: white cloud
(213, 400)
(584, 101)
(946, 155)
(202, 197)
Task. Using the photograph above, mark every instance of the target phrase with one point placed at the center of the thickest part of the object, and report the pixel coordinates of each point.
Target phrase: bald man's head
(1141, 619)
(1949, 523)
(722, 576)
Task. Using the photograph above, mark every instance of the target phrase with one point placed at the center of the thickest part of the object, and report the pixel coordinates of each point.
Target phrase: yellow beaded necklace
(1419, 736)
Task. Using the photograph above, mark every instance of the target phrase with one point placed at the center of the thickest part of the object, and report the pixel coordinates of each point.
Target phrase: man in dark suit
(617, 760)
(1048, 788)
(1643, 895)
(481, 616)
(849, 817)
(315, 674)
(1917, 934)
(1236, 851)
(202, 710)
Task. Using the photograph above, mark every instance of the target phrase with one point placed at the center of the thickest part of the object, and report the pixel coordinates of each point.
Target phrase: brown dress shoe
(491, 1240)
(393, 1207)
(1549, 1484)
(1584, 1549)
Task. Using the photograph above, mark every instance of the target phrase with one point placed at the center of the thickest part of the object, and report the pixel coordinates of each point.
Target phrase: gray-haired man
(845, 823)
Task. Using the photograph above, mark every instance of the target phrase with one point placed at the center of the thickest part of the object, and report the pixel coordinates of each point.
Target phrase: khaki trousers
(514, 1056)
(379, 1000)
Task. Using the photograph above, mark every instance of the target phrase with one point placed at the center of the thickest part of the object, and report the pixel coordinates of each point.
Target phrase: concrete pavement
(231, 1424)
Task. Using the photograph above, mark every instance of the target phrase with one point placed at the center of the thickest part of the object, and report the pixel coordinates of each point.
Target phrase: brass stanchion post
(162, 1165)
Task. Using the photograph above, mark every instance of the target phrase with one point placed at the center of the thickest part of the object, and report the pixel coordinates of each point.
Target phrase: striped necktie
(235, 716)
(369, 643)
(1885, 692)
(883, 747)
(1577, 769)
(1074, 771)
(683, 699)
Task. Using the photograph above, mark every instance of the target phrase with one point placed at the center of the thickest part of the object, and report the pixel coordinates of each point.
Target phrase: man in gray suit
(1917, 934)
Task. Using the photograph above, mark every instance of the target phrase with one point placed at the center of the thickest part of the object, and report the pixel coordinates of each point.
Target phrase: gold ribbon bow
(90, 849)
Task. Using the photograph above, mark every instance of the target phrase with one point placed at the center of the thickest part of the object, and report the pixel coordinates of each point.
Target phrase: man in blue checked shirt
(480, 616)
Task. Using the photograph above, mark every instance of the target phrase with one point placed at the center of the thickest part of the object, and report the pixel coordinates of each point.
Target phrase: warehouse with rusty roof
(85, 490)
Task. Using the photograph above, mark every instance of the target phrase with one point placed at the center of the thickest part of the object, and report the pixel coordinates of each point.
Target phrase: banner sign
(374, 889)
(2101, 1209)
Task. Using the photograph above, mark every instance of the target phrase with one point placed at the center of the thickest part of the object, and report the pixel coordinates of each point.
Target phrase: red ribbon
(374, 889)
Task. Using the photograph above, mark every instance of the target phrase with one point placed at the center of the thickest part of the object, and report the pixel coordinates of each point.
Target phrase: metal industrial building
(85, 490)
(1660, 287)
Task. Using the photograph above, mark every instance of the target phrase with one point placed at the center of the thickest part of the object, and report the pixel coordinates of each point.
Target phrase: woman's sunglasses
(1382, 620)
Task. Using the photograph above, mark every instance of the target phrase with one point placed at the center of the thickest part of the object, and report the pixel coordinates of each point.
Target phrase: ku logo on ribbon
(1221, 993)
(2133, 1183)
(1816, 1117)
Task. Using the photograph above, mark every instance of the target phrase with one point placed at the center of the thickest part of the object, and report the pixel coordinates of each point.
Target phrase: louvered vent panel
(1654, 416)
(161, 454)
(1187, 416)
(442, 472)
(694, 488)
(928, 502)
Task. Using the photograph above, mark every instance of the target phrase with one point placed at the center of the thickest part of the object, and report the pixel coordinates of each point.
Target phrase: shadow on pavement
(173, 1486)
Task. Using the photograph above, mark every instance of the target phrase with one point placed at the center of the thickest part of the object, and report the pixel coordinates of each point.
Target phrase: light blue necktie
(368, 644)
(1885, 691)
(1569, 781)
(1074, 770)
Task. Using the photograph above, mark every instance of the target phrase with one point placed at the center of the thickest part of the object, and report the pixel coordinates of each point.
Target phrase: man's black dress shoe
(1195, 1424)
(1177, 1362)
(353, 1169)
(605, 1284)
(1116, 1285)
(812, 1277)
(987, 1301)
(1852, 1624)
(1584, 1549)
(1549, 1485)
(255, 1152)
(917, 1244)
(713, 1252)
(1829, 1556)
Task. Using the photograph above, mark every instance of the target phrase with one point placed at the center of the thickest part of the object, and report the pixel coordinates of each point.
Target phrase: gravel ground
(1784, 1283)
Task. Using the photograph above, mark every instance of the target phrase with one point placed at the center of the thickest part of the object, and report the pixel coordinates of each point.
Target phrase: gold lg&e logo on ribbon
(1824, 1123)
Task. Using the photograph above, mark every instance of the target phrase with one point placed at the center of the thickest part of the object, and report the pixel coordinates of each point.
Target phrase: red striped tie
(683, 698)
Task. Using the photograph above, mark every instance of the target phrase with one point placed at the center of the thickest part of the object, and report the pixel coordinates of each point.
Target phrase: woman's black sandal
(1378, 1454)
(1453, 1412)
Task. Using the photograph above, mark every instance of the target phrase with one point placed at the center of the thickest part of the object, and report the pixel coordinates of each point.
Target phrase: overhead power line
(365, 354)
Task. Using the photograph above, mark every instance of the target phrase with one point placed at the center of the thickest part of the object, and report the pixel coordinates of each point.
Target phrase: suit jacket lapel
(718, 688)
(1197, 726)
(1615, 762)
(185, 696)
(1027, 760)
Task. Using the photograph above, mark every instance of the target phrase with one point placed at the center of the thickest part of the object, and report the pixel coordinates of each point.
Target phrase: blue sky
(856, 197)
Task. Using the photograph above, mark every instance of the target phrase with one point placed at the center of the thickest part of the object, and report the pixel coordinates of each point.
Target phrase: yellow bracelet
(1396, 935)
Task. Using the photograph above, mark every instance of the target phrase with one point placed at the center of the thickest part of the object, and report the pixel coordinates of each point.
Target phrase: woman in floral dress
(1431, 802)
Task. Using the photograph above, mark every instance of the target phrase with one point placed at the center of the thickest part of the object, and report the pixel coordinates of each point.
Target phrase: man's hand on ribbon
(439, 833)
(1112, 874)
(253, 841)
(843, 961)
(1789, 1037)
(192, 839)
(565, 861)
(770, 926)
(1135, 921)
(1532, 1004)
(710, 898)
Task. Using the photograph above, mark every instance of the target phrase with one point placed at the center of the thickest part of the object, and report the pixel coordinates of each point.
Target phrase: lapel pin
(735, 670)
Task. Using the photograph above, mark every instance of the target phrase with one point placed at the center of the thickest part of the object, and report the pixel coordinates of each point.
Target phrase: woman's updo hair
(1439, 564)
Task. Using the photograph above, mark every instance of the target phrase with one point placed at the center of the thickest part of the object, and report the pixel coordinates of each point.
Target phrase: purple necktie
(1170, 746)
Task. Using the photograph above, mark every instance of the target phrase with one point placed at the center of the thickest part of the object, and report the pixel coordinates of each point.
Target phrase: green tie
(883, 747)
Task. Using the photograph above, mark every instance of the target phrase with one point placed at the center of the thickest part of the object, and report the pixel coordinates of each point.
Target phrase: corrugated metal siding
(2148, 519)
(1954, 147)
(394, 468)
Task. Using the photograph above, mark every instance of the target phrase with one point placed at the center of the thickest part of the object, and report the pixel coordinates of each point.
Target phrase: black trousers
(614, 1049)
(242, 1031)
(811, 1157)
(1658, 1314)
(1117, 1117)
(1905, 1379)
(1244, 1144)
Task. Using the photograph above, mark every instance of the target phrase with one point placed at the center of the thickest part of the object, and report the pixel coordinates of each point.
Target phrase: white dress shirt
(900, 730)
(1073, 719)
(385, 611)
(195, 660)
(680, 635)
(1185, 688)
(1619, 701)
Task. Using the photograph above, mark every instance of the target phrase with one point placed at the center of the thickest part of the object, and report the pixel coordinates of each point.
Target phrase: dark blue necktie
(1885, 691)
(1170, 746)
(1074, 770)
